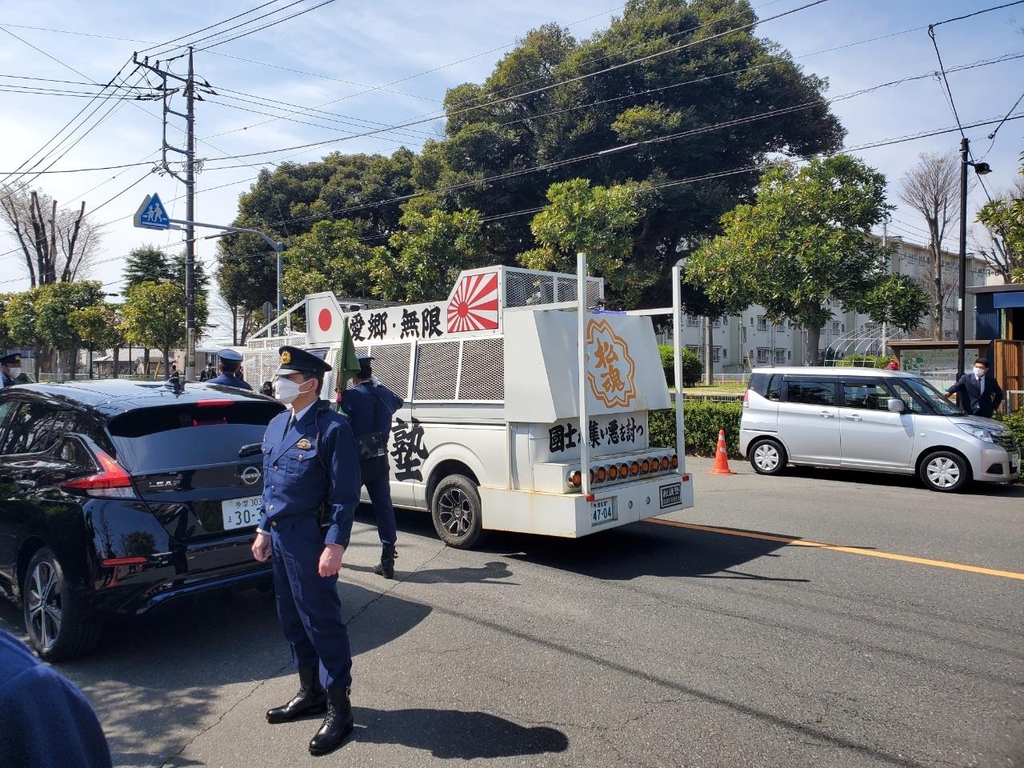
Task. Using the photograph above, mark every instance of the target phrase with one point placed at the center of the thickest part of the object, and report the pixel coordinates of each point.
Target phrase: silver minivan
(870, 419)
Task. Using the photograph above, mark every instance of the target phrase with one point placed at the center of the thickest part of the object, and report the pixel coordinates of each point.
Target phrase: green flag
(347, 362)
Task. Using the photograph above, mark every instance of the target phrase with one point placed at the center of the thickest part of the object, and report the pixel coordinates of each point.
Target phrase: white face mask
(979, 372)
(287, 390)
(15, 373)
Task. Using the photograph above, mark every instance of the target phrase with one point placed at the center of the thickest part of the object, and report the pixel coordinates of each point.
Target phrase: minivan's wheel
(455, 510)
(56, 628)
(767, 457)
(945, 471)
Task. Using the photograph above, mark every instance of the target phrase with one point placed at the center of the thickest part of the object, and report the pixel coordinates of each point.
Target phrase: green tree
(805, 245)
(55, 305)
(201, 286)
(153, 316)
(431, 251)
(96, 327)
(20, 319)
(655, 116)
(330, 257)
(146, 264)
(5, 330)
(1004, 219)
(600, 222)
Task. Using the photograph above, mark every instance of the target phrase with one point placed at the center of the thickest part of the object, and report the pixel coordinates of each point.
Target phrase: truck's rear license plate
(602, 511)
(671, 495)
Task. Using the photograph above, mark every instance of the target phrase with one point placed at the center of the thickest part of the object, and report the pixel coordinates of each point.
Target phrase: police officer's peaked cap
(364, 358)
(295, 360)
(229, 356)
(12, 359)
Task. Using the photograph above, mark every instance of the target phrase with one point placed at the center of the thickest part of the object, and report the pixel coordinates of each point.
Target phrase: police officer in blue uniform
(230, 362)
(10, 369)
(44, 719)
(309, 464)
(370, 405)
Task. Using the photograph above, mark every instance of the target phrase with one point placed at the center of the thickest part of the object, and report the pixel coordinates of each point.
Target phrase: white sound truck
(499, 431)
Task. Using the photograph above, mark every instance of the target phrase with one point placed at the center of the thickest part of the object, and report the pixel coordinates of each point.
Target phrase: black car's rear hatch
(189, 464)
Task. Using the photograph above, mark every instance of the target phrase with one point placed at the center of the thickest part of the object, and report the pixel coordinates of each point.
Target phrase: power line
(976, 13)
(211, 26)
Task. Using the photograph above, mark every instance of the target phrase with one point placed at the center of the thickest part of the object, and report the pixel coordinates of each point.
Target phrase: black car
(116, 496)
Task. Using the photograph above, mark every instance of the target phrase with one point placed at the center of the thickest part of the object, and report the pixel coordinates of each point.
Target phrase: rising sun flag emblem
(474, 304)
(610, 369)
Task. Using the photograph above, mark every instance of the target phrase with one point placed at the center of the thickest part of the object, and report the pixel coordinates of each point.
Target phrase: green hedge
(1015, 421)
(693, 368)
(701, 420)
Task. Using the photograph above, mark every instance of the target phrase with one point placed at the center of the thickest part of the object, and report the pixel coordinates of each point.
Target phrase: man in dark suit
(309, 464)
(230, 364)
(978, 393)
(44, 719)
(370, 405)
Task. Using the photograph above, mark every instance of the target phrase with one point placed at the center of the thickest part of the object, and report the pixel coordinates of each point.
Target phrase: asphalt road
(670, 643)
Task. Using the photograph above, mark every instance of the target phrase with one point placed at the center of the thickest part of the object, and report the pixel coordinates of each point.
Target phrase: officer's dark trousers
(380, 497)
(307, 603)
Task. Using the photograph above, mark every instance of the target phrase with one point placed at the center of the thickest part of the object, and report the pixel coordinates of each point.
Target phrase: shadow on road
(642, 550)
(872, 480)
(451, 734)
(154, 680)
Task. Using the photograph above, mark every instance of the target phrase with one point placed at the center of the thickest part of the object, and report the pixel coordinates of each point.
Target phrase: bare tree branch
(932, 188)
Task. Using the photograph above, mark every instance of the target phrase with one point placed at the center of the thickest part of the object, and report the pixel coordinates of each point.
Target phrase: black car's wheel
(767, 457)
(945, 471)
(455, 509)
(56, 628)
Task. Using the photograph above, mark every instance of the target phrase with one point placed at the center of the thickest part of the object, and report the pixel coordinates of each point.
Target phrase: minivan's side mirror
(896, 405)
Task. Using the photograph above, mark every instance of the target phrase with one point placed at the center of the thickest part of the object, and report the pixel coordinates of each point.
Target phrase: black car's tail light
(112, 482)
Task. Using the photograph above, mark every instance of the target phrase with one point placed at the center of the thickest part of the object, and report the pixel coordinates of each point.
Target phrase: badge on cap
(303, 444)
(286, 357)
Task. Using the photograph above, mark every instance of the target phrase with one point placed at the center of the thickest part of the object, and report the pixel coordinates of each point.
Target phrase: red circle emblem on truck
(324, 319)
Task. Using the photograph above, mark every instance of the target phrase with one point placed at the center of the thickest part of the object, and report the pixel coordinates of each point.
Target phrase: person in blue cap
(310, 464)
(10, 369)
(230, 362)
(44, 719)
(370, 405)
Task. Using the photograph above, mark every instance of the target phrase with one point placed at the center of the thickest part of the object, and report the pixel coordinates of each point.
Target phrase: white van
(870, 419)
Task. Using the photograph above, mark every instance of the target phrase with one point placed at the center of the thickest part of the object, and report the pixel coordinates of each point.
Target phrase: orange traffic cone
(721, 457)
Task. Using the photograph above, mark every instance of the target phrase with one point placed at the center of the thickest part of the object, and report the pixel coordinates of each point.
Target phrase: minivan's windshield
(935, 399)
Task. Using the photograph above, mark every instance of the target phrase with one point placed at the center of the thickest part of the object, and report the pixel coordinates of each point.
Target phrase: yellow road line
(794, 542)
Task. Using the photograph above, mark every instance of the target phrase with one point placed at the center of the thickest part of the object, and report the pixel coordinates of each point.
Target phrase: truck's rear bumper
(571, 515)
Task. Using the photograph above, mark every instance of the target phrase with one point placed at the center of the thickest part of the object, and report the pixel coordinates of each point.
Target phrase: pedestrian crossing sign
(152, 214)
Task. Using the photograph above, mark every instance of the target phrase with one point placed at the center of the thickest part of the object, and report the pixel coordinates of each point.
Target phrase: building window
(762, 355)
(836, 326)
(716, 354)
(780, 355)
(762, 323)
(693, 321)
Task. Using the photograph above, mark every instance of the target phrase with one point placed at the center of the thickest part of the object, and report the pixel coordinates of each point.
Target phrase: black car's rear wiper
(249, 450)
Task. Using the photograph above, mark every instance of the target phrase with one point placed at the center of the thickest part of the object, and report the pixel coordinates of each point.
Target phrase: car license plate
(242, 513)
(602, 511)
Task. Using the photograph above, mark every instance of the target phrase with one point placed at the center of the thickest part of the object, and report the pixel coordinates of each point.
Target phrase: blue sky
(367, 65)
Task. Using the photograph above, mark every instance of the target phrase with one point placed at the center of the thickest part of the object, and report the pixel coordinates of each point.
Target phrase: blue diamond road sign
(152, 214)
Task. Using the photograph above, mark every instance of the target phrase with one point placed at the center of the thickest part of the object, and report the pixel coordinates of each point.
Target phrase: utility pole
(190, 190)
(190, 211)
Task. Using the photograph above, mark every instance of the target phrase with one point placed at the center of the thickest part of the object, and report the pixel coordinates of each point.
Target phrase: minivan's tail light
(111, 482)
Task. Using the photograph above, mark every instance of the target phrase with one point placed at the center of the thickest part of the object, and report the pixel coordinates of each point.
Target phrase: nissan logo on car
(251, 475)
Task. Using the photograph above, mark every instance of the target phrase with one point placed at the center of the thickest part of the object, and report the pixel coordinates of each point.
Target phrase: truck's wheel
(455, 510)
(54, 620)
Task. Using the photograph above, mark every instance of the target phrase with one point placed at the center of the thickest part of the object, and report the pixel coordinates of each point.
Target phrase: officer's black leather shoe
(310, 700)
(386, 567)
(336, 726)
